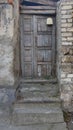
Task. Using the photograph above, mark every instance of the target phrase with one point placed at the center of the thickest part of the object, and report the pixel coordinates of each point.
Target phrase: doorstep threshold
(53, 80)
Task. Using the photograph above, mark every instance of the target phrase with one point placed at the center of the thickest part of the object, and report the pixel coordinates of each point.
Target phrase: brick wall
(65, 50)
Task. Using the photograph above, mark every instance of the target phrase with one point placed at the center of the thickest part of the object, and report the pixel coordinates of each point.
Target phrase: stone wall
(65, 50)
(9, 43)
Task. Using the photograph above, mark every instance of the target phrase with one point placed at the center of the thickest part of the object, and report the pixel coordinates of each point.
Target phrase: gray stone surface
(70, 125)
(7, 96)
(60, 126)
(38, 92)
(5, 115)
(33, 113)
(8, 40)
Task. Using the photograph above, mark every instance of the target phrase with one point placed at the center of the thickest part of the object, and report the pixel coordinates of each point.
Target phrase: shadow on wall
(28, 3)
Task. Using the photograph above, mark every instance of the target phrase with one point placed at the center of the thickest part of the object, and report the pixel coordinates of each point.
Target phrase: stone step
(39, 87)
(36, 113)
(50, 80)
(38, 93)
(38, 100)
(56, 126)
(5, 115)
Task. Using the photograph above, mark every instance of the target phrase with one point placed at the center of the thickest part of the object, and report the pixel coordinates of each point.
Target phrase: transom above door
(37, 46)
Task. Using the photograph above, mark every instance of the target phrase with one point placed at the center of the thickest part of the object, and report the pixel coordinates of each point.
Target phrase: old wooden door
(37, 46)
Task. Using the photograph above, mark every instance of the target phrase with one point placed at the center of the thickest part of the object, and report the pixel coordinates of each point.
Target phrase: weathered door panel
(27, 45)
(44, 47)
(38, 47)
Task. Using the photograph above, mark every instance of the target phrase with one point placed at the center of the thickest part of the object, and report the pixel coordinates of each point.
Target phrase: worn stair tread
(39, 100)
(38, 93)
(37, 107)
(29, 113)
(38, 87)
(51, 80)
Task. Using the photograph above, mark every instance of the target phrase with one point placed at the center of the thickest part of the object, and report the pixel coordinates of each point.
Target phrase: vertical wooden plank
(54, 47)
(26, 46)
(35, 46)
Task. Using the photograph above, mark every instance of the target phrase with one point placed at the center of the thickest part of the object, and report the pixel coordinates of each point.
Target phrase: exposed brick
(69, 20)
(64, 3)
(66, 43)
(65, 50)
(63, 12)
(66, 25)
(64, 39)
(67, 7)
(66, 67)
(71, 51)
(63, 75)
(70, 75)
(66, 16)
(66, 34)
(70, 29)
(63, 20)
(67, 80)
(67, 59)
(63, 30)
(69, 38)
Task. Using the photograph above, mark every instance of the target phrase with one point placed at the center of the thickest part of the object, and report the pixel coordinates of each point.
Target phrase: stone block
(65, 80)
(70, 75)
(63, 30)
(63, 12)
(69, 38)
(66, 16)
(63, 75)
(65, 50)
(71, 51)
(66, 7)
(66, 34)
(64, 39)
(59, 126)
(63, 20)
(66, 2)
(70, 29)
(69, 20)
(67, 59)
(66, 43)
(66, 25)
(37, 113)
(66, 67)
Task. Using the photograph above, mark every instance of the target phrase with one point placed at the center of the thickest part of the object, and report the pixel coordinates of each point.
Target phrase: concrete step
(5, 115)
(38, 93)
(50, 80)
(36, 113)
(59, 126)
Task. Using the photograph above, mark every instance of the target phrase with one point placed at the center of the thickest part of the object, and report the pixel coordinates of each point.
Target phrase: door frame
(38, 10)
(41, 10)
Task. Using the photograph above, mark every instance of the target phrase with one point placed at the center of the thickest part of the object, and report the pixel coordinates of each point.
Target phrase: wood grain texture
(38, 46)
(44, 12)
